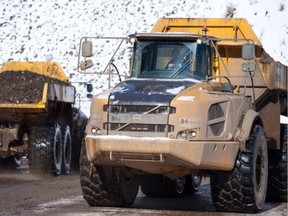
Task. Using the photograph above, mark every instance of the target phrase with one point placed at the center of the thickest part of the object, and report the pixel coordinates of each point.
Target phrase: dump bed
(235, 29)
(232, 33)
(28, 86)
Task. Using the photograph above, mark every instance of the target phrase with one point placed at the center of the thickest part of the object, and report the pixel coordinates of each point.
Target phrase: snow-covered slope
(50, 30)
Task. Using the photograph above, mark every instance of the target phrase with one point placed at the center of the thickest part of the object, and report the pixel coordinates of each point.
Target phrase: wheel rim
(180, 185)
(196, 182)
(67, 154)
(259, 170)
(57, 154)
(18, 161)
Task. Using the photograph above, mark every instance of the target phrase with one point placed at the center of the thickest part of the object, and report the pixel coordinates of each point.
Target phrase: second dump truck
(38, 118)
(203, 99)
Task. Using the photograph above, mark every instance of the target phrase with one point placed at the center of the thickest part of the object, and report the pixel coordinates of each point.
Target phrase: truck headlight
(187, 134)
(95, 131)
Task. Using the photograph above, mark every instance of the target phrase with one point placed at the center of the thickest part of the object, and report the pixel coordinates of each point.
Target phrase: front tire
(45, 150)
(244, 188)
(107, 186)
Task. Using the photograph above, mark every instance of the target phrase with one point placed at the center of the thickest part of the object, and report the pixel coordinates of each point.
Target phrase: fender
(243, 132)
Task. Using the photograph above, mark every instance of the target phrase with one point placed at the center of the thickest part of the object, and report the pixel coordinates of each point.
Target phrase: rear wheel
(77, 132)
(193, 184)
(277, 181)
(156, 185)
(11, 162)
(107, 186)
(45, 150)
(244, 188)
(67, 149)
(17, 161)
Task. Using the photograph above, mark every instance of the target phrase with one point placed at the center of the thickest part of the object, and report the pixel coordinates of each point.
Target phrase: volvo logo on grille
(137, 118)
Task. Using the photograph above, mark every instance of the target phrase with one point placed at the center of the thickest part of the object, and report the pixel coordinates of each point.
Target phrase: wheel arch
(249, 119)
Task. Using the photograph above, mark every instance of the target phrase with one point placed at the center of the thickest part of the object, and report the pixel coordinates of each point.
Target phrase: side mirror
(87, 48)
(248, 51)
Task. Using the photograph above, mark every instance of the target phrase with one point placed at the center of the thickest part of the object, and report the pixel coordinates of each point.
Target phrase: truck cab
(193, 105)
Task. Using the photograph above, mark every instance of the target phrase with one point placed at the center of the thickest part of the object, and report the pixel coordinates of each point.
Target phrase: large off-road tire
(244, 188)
(277, 180)
(156, 185)
(45, 150)
(67, 149)
(107, 186)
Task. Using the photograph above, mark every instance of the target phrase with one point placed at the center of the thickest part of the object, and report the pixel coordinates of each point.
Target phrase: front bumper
(160, 155)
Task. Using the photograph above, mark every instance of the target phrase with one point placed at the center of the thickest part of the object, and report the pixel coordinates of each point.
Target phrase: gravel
(23, 87)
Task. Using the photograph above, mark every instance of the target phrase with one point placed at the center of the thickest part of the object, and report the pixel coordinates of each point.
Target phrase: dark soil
(23, 87)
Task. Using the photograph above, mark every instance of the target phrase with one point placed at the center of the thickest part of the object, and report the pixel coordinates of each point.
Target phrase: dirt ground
(24, 194)
(23, 86)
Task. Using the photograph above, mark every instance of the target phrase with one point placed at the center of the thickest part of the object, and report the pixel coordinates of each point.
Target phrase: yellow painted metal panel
(24, 106)
(217, 27)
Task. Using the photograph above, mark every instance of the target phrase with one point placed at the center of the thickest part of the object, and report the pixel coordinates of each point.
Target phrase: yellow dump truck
(37, 117)
(203, 99)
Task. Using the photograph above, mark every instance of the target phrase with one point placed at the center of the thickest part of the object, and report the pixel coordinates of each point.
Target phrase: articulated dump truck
(203, 99)
(37, 118)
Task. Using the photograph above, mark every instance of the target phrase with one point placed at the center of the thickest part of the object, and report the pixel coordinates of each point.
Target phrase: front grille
(138, 127)
(139, 109)
(128, 119)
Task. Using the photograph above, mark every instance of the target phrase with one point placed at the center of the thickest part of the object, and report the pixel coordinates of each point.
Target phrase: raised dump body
(203, 99)
(36, 106)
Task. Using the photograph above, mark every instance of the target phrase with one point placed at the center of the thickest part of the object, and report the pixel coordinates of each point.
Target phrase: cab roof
(171, 36)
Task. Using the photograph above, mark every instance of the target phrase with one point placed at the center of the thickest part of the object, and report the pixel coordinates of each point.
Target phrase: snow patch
(46, 207)
(283, 119)
(120, 89)
(51, 30)
(186, 98)
(122, 137)
(175, 91)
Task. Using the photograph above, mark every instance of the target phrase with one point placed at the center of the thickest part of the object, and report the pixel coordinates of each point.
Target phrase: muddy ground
(24, 194)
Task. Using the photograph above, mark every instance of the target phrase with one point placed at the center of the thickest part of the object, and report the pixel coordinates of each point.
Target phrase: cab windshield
(170, 60)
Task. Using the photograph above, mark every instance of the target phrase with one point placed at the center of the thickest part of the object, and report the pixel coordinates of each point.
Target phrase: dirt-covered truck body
(200, 96)
(37, 118)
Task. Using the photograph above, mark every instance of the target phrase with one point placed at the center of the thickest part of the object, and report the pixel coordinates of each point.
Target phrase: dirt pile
(23, 86)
